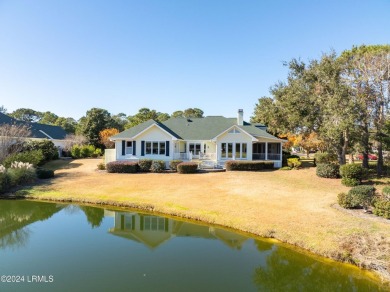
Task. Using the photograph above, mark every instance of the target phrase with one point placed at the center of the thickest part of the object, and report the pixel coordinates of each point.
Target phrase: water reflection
(15, 216)
(152, 231)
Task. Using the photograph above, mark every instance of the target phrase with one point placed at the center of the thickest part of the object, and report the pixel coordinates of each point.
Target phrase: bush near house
(157, 166)
(328, 170)
(187, 167)
(34, 157)
(21, 173)
(235, 165)
(357, 197)
(294, 163)
(85, 151)
(351, 174)
(145, 165)
(173, 164)
(122, 167)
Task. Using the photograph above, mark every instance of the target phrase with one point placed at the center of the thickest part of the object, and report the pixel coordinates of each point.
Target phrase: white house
(38, 131)
(212, 140)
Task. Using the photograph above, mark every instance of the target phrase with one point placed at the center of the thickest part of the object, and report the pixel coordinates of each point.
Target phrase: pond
(65, 247)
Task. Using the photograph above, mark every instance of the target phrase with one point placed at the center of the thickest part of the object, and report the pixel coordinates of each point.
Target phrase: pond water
(60, 247)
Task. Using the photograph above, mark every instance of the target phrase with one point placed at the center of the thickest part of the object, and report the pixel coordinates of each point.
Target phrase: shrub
(157, 166)
(145, 164)
(236, 165)
(122, 167)
(34, 157)
(328, 170)
(43, 173)
(75, 151)
(187, 167)
(361, 196)
(350, 182)
(98, 152)
(324, 157)
(101, 166)
(21, 173)
(351, 174)
(173, 164)
(294, 162)
(382, 208)
(49, 150)
(4, 179)
(87, 151)
(285, 168)
(386, 193)
(344, 200)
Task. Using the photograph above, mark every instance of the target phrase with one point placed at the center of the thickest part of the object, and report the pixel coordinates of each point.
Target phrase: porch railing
(181, 156)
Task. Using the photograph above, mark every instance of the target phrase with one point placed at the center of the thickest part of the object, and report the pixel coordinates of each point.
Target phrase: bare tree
(12, 138)
(71, 140)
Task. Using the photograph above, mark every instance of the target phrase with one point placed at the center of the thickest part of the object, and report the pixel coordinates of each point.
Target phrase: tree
(193, 113)
(26, 115)
(119, 121)
(178, 114)
(68, 124)
(93, 123)
(105, 137)
(310, 142)
(3, 110)
(145, 114)
(12, 138)
(48, 118)
(367, 73)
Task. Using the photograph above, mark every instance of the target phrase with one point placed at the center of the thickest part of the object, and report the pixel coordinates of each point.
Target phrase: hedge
(145, 164)
(157, 166)
(173, 164)
(382, 208)
(328, 170)
(122, 167)
(236, 165)
(187, 167)
(357, 197)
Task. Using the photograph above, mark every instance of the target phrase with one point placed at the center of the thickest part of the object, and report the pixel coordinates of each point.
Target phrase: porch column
(266, 150)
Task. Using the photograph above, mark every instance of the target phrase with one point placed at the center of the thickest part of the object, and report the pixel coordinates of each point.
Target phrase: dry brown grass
(291, 206)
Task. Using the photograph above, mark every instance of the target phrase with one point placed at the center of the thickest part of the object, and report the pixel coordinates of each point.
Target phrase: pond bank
(291, 206)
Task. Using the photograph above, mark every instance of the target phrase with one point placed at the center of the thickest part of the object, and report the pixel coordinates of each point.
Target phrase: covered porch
(190, 150)
(267, 151)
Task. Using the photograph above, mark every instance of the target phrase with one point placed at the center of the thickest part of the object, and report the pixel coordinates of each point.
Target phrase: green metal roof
(37, 130)
(205, 128)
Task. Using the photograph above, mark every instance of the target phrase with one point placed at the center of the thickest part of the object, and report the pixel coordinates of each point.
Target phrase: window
(230, 150)
(154, 223)
(155, 148)
(162, 148)
(129, 147)
(195, 148)
(148, 147)
(234, 131)
(236, 150)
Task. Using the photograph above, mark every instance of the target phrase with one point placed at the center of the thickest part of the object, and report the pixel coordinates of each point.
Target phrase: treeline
(98, 124)
(340, 100)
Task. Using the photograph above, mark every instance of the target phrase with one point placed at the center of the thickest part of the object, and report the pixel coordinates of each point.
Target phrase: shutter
(134, 149)
(167, 148)
(123, 147)
(142, 148)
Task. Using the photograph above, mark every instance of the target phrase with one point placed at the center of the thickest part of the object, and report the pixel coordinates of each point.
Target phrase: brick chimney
(240, 117)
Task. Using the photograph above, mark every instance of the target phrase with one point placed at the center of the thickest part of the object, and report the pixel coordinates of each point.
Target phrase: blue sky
(67, 56)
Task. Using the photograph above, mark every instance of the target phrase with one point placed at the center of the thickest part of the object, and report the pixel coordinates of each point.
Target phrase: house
(38, 131)
(211, 140)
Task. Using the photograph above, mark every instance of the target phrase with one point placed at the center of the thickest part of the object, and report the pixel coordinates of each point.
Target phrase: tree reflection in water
(94, 215)
(285, 270)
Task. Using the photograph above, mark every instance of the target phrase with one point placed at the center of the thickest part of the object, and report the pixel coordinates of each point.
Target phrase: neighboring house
(38, 132)
(213, 140)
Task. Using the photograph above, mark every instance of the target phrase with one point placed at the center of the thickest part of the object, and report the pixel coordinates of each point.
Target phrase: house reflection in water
(153, 231)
